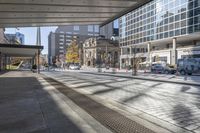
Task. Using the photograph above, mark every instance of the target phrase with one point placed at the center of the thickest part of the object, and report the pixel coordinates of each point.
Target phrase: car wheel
(182, 72)
(189, 73)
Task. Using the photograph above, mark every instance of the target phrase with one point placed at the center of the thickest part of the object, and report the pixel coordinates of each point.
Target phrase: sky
(30, 35)
(116, 23)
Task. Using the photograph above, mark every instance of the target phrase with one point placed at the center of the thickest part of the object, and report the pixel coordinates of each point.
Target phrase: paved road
(174, 103)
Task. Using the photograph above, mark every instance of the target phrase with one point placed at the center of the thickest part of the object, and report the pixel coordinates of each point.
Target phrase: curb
(142, 78)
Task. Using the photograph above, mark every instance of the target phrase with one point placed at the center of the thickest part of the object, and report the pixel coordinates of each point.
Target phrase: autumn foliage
(72, 55)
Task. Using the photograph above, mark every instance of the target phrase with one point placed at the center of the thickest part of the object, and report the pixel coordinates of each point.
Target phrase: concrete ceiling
(25, 13)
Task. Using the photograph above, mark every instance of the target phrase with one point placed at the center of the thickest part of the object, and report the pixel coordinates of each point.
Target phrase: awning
(14, 50)
(22, 13)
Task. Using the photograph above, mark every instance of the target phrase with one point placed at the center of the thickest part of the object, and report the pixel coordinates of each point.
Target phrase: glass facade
(160, 19)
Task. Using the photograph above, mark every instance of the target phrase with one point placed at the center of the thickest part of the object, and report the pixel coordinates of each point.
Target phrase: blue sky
(116, 24)
(30, 35)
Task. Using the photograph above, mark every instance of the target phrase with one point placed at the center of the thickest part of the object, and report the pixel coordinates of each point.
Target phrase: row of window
(161, 5)
(152, 28)
(160, 19)
(91, 28)
(134, 39)
(159, 9)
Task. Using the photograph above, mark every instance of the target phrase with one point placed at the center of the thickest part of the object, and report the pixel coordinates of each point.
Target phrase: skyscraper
(167, 29)
(59, 41)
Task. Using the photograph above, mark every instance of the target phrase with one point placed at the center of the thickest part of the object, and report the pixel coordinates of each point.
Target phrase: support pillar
(38, 61)
(120, 63)
(0, 61)
(174, 52)
(149, 53)
(5, 60)
(130, 55)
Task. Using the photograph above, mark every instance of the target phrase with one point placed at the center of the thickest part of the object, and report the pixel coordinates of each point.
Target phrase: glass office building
(158, 20)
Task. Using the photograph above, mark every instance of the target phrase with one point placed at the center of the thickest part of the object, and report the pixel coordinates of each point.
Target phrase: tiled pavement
(28, 104)
(173, 103)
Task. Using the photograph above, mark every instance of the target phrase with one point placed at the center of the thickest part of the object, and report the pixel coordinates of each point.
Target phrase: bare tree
(136, 61)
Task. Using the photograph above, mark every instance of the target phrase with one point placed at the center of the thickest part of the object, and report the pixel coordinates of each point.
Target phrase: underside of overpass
(27, 13)
(13, 50)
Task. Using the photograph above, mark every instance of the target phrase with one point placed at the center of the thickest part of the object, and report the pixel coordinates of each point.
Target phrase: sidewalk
(28, 104)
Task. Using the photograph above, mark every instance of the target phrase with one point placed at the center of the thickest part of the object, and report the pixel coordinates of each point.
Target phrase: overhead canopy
(22, 13)
(14, 50)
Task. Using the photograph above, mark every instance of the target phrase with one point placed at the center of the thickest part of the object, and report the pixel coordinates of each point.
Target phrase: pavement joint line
(112, 128)
(141, 117)
(39, 103)
(70, 105)
(142, 78)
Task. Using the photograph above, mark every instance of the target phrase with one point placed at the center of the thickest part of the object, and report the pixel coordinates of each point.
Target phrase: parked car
(74, 67)
(157, 69)
(169, 70)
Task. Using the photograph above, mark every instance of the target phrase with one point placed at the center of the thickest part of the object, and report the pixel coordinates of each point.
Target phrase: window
(197, 11)
(196, 20)
(183, 31)
(68, 32)
(76, 28)
(183, 23)
(183, 15)
(190, 29)
(171, 33)
(177, 32)
(190, 22)
(90, 28)
(177, 17)
(96, 28)
(190, 13)
(196, 28)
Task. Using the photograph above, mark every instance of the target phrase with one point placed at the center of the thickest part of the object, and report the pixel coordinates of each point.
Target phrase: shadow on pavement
(26, 107)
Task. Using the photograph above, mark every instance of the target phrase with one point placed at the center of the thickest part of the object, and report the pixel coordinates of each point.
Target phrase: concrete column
(0, 62)
(38, 62)
(149, 52)
(120, 58)
(130, 55)
(174, 52)
(5, 60)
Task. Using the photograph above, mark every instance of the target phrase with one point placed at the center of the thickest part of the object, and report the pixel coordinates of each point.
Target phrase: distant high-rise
(17, 38)
(161, 30)
(38, 37)
(62, 37)
(110, 30)
(2, 36)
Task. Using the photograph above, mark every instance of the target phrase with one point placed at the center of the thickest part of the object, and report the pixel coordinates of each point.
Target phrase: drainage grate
(111, 119)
